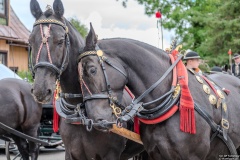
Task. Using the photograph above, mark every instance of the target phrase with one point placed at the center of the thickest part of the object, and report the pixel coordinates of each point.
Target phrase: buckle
(225, 123)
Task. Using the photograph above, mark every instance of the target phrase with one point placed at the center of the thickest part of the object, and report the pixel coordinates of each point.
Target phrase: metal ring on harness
(89, 125)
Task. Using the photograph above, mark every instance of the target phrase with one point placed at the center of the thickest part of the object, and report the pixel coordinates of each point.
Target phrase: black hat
(216, 69)
(191, 55)
(236, 55)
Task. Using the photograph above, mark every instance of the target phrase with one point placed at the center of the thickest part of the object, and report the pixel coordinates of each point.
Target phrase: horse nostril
(32, 90)
(49, 92)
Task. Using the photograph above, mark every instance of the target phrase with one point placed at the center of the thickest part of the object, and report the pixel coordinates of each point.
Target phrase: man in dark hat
(192, 61)
(236, 65)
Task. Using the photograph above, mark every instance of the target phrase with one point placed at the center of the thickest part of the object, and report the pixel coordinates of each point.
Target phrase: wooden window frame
(6, 53)
(6, 10)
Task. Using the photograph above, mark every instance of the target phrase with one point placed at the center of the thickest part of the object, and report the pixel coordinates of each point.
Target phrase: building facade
(13, 39)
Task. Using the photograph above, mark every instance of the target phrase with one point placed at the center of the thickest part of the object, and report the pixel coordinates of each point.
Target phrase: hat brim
(195, 57)
(236, 57)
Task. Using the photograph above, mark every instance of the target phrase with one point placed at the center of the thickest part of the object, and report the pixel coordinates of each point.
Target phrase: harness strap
(48, 65)
(131, 110)
(224, 121)
(216, 129)
(69, 95)
(159, 81)
(96, 96)
(105, 59)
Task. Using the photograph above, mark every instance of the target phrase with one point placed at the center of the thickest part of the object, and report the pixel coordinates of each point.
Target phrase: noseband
(113, 101)
(49, 64)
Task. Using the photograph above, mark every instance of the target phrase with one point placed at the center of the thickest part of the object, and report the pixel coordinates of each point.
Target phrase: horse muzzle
(40, 96)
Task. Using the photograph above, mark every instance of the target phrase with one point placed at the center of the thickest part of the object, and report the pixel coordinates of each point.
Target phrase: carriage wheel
(11, 147)
(7, 143)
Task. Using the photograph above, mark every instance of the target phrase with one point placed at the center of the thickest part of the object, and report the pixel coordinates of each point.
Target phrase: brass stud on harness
(100, 53)
(225, 123)
(199, 79)
(220, 94)
(116, 110)
(176, 91)
(212, 99)
(206, 89)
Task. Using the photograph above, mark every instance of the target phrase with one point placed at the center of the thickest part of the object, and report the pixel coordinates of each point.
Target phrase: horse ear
(35, 9)
(58, 8)
(91, 39)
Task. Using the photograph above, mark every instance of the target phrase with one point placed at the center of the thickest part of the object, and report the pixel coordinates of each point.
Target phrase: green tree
(81, 28)
(222, 33)
(185, 17)
(209, 27)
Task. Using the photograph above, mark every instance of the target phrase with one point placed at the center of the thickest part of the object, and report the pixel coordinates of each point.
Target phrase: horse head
(102, 98)
(49, 48)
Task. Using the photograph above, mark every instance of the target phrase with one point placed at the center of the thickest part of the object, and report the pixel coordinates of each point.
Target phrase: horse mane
(141, 45)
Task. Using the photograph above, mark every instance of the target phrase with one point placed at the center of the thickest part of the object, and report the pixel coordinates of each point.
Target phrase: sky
(109, 19)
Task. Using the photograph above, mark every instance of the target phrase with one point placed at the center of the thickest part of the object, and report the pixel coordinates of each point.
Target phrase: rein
(137, 107)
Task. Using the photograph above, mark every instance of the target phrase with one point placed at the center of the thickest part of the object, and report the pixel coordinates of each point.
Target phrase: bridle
(49, 64)
(113, 101)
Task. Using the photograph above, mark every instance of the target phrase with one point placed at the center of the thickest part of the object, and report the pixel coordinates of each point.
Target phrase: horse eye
(93, 70)
(60, 42)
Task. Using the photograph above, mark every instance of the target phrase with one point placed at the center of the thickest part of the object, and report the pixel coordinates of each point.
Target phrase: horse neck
(145, 65)
(69, 79)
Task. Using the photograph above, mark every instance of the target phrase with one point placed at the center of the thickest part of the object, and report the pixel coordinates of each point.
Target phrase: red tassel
(136, 125)
(187, 117)
(55, 114)
(187, 120)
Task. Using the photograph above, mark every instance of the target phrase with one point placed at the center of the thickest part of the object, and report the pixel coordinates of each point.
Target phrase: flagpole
(162, 32)
(159, 24)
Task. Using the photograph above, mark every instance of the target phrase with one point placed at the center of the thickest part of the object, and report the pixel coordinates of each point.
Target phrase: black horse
(20, 111)
(55, 46)
(144, 65)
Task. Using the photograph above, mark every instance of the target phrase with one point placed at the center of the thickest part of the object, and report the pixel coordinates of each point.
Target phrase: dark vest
(234, 72)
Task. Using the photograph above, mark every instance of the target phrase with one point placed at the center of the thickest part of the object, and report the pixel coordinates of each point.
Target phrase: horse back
(17, 104)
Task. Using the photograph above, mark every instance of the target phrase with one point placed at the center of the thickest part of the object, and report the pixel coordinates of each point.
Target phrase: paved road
(45, 154)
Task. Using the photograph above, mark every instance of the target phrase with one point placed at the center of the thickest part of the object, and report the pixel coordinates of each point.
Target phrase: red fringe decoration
(55, 114)
(136, 125)
(187, 117)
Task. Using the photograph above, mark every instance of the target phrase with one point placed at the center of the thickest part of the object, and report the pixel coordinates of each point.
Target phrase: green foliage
(81, 28)
(3, 21)
(210, 27)
(26, 75)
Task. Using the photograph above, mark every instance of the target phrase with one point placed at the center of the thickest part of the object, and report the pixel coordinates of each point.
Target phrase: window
(3, 58)
(2, 7)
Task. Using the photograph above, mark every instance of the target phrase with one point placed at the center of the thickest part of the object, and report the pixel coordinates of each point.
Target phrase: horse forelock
(48, 12)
